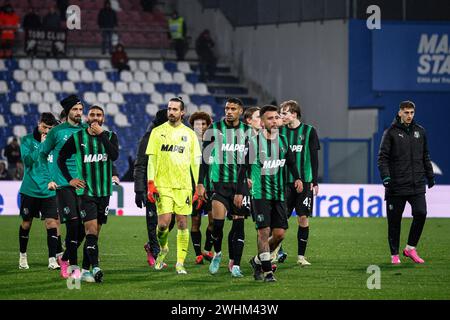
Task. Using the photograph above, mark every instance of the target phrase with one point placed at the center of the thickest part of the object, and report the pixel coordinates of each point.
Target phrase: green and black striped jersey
(266, 164)
(304, 143)
(223, 151)
(94, 157)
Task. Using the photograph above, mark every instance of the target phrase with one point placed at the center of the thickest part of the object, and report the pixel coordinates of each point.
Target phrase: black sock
(65, 256)
(217, 234)
(23, 239)
(92, 249)
(209, 240)
(59, 245)
(238, 240)
(81, 234)
(52, 242)
(72, 241)
(230, 242)
(266, 264)
(86, 261)
(197, 242)
(302, 239)
(152, 221)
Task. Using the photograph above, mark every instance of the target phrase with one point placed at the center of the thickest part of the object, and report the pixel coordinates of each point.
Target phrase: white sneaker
(52, 264)
(180, 269)
(87, 276)
(23, 262)
(302, 261)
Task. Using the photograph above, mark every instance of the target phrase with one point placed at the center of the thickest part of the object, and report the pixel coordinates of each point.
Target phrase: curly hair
(200, 115)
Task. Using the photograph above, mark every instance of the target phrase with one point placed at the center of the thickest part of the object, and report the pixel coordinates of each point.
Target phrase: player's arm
(314, 147)
(292, 167)
(66, 152)
(140, 172)
(427, 163)
(384, 156)
(196, 159)
(44, 150)
(151, 151)
(28, 155)
(208, 139)
(111, 145)
(243, 171)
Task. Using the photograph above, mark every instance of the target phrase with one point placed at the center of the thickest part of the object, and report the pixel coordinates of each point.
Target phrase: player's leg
(230, 243)
(279, 254)
(238, 245)
(394, 208)
(304, 202)
(59, 248)
(219, 212)
(152, 246)
(49, 210)
(196, 235)
(183, 209)
(419, 213)
(28, 210)
(207, 253)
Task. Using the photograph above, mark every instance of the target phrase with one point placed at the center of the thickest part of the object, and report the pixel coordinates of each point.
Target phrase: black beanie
(69, 102)
(160, 118)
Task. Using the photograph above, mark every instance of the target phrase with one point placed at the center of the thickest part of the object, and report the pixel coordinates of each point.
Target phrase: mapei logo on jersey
(233, 147)
(296, 148)
(95, 157)
(271, 164)
(172, 148)
(416, 134)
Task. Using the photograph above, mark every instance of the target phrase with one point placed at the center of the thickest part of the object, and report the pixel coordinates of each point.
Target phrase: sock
(65, 256)
(197, 242)
(265, 262)
(163, 236)
(408, 247)
(182, 245)
(86, 264)
(59, 245)
(52, 242)
(302, 239)
(257, 260)
(217, 234)
(152, 221)
(23, 239)
(238, 240)
(230, 242)
(92, 249)
(209, 240)
(72, 241)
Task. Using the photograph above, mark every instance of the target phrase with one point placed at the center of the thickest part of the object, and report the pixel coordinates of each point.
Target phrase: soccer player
(95, 150)
(200, 121)
(304, 143)
(173, 166)
(266, 161)
(224, 145)
(252, 118)
(35, 197)
(67, 199)
(140, 189)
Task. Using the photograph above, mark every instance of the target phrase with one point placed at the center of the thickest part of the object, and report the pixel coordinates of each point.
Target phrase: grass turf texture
(340, 251)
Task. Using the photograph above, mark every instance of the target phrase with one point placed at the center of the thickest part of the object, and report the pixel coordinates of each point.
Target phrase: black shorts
(269, 213)
(204, 209)
(302, 202)
(224, 193)
(94, 208)
(41, 208)
(68, 204)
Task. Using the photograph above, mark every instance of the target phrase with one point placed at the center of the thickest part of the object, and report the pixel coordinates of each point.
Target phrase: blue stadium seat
(192, 78)
(171, 66)
(92, 65)
(60, 75)
(5, 75)
(11, 64)
(113, 76)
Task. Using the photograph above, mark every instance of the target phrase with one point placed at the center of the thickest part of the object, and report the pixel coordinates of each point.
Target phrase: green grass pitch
(340, 251)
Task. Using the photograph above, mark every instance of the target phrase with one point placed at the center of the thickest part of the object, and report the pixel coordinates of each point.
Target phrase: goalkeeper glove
(151, 191)
(199, 202)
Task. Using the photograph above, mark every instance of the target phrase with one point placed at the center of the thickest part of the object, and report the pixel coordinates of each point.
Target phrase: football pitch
(340, 251)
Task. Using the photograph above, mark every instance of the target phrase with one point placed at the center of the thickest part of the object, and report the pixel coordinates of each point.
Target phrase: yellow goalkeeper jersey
(176, 153)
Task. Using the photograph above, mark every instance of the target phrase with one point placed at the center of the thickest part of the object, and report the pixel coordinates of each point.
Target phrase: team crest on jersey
(416, 134)
(82, 214)
(26, 211)
(260, 218)
(301, 137)
(66, 210)
(184, 138)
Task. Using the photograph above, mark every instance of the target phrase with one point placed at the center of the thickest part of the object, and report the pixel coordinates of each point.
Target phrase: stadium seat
(39, 64)
(117, 98)
(108, 86)
(179, 77)
(90, 97)
(25, 64)
(158, 66)
(2, 65)
(121, 120)
(2, 121)
(133, 65)
(68, 87)
(126, 76)
(169, 95)
(78, 64)
(22, 97)
(201, 88)
(17, 109)
(33, 75)
(44, 107)
(206, 108)
(52, 64)
(28, 86)
(121, 87)
(73, 76)
(19, 131)
(50, 97)
(55, 86)
(184, 67)
(185, 97)
(144, 65)
(35, 97)
(104, 64)
(46, 75)
(166, 77)
(56, 109)
(3, 87)
(65, 65)
(111, 109)
(191, 108)
(148, 87)
(151, 109)
(157, 98)
(19, 75)
(87, 76)
(103, 98)
(139, 76)
(100, 76)
(135, 87)
(41, 86)
(187, 88)
(153, 77)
